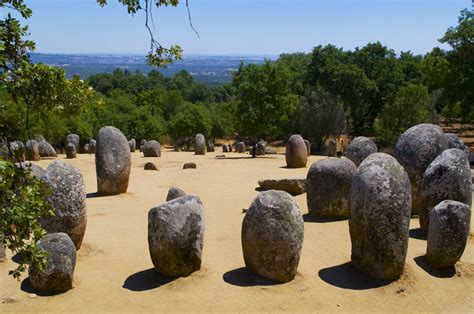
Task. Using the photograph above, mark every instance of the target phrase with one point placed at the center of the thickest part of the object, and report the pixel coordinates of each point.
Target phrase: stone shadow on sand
(346, 276)
(146, 280)
(28, 288)
(309, 218)
(422, 261)
(243, 277)
(418, 234)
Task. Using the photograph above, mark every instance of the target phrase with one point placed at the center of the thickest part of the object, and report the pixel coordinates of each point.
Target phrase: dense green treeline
(370, 90)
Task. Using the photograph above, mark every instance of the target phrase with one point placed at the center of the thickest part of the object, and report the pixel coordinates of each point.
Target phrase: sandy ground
(114, 271)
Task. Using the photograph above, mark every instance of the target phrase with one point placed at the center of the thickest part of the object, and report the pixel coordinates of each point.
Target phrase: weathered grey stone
(190, 165)
(112, 161)
(270, 150)
(294, 186)
(308, 147)
(150, 166)
(133, 145)
(35, 170)
(260, 148)
(379, 221)
(152, 149)
(448, 177)
(448, 233)
(46, 150)
(92, 146)
(272, 236)
(455, 142)
(230, 148)
(210, 146)
(86, 148)
(200, 144)
(296, 152)
(17, 151)
(360, 148)
(2, 249)
(415, 150)
(74, 139)
(61, 262)
(173, 193)
(329, 187)
(68, 198)
(176, 236)
(32, 150)
(142, 145)
(240, 148)
(40, 138)
(225, 148)
(70, 151)
(331, 148)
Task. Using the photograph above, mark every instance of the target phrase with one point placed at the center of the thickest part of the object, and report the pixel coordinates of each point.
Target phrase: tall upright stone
(71, 151)
(272, 236)
(32, 151)
(448, 177)
(200, 144)
(112, 161)
(73, 139)
(176, 236)
(68, 198)
(260, 148)
(308, 147)
(328, 189)
(379, 222)
(360, 148)
(92, 146)
(152, 149)
(133, 144)
(416, 148)
(296, 152)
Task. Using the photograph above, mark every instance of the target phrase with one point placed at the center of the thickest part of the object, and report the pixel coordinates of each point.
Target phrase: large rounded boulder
(46, 150)
(296, 152)
(416, 148)
(200, 144)
(176, 236)
(272, 236)
(448, 177)
(360, 148)
(455, 142)
(328, 187)
(151, 149)
(68, 198)
(112, 161)
(379, 221)
(61, 262)
(73, 139)
(447, 233)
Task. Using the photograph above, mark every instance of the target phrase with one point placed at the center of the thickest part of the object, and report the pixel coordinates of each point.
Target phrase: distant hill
(212, 70)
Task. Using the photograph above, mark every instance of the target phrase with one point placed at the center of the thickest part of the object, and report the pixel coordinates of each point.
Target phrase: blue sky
(244, 26)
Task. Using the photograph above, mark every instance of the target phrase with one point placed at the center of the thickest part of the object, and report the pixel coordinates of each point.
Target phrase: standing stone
(33, 169)
(360, 148)
(142, 145)
(86, 148)
(68, 198)
(260, 148)
(225, 148)
(229, 147)
(40, 138)
(176, 236)
(73, 139)
(61, 262)
(2, 249)
(296, 152)
(455, 142)
(240, 148)
(210, 146)
(173, 193)
(331, 148)
(17, 153)
(328, 189)
(92, 146)
(415, 150)
(448, 233)
(448, 177)
(133, 144)
(70, 151)
(112, 161)
(32, 150)
(200, 144)
(379, 221)
(308, 147)
(46, 150)
(272, 236)
(152, 149)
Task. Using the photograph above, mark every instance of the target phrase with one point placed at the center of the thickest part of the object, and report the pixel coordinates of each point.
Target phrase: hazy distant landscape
(210, 69)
